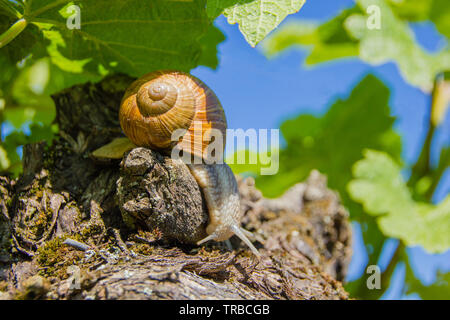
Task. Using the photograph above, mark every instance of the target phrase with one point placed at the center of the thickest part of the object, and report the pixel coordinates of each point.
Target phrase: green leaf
(379, 173)
(10, 144)
(394, 41)
(245, 161)
(440, 15)
(256, 18)
(379, 186)
(327, 41)
(334, 142)
(215, 8)
(439, 290)
(209, 43)
(134, 38)
(348, 35)
(411, 10)
(29, 92)
(438, 11)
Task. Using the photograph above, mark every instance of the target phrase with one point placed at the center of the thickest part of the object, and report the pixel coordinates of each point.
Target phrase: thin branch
(423, 168)
(439, 172)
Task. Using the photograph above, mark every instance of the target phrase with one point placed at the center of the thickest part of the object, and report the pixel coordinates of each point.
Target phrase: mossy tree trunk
(130, 223)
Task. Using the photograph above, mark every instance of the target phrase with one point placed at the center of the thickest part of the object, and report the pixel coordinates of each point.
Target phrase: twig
(76, 244)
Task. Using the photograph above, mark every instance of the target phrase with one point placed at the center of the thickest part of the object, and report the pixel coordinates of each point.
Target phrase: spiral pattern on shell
(160, 102)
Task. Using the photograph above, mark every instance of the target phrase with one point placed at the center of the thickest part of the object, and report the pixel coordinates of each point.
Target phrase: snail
(160, 102)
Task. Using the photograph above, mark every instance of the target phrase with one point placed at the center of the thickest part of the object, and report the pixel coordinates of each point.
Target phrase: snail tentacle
(240, 232)
(212, 236)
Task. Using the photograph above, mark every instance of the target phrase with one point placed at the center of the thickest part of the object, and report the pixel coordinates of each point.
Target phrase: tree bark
(73, 226)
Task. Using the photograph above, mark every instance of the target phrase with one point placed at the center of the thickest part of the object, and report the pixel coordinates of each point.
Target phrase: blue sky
(261, 93)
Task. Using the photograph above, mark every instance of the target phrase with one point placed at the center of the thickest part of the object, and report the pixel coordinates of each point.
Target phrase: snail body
(161, 102)
(222, 198)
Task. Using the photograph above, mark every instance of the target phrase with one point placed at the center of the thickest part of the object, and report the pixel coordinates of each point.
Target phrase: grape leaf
(334, 142)
(209, 43)
(132, 37)
(438, 11)
(327, 41)
(379, 186)
(439, 290)
(256, 18)
(411, 10)
(347, 35)
(394, 41)
(440, 15)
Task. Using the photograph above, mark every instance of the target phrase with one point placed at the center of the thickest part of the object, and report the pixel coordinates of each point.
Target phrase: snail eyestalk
(240, 233)
(12, 32)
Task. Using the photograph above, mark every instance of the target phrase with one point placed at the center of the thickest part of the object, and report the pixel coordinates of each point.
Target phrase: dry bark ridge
(138, 217)
(161, 193)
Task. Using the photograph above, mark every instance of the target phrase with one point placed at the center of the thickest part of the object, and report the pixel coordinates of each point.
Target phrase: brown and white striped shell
(162, 101)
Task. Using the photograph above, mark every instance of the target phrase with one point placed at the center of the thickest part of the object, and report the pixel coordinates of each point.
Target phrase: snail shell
(161, 102)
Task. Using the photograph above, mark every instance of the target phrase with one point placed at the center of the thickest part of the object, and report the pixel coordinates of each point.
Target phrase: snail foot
(241, 233)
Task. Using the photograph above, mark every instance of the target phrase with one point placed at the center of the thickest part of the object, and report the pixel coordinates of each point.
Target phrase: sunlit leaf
(256, 18)
(133, 37)
(349, 35)
(380, 187)
(334, 142)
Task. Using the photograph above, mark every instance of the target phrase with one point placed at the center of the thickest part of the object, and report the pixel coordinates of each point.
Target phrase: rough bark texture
(161, 193)
(75, 227)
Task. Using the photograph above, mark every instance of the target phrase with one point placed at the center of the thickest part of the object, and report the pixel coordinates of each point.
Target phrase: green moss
(54, 257)
(40, 224)
(142, 248)
(89, 232)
